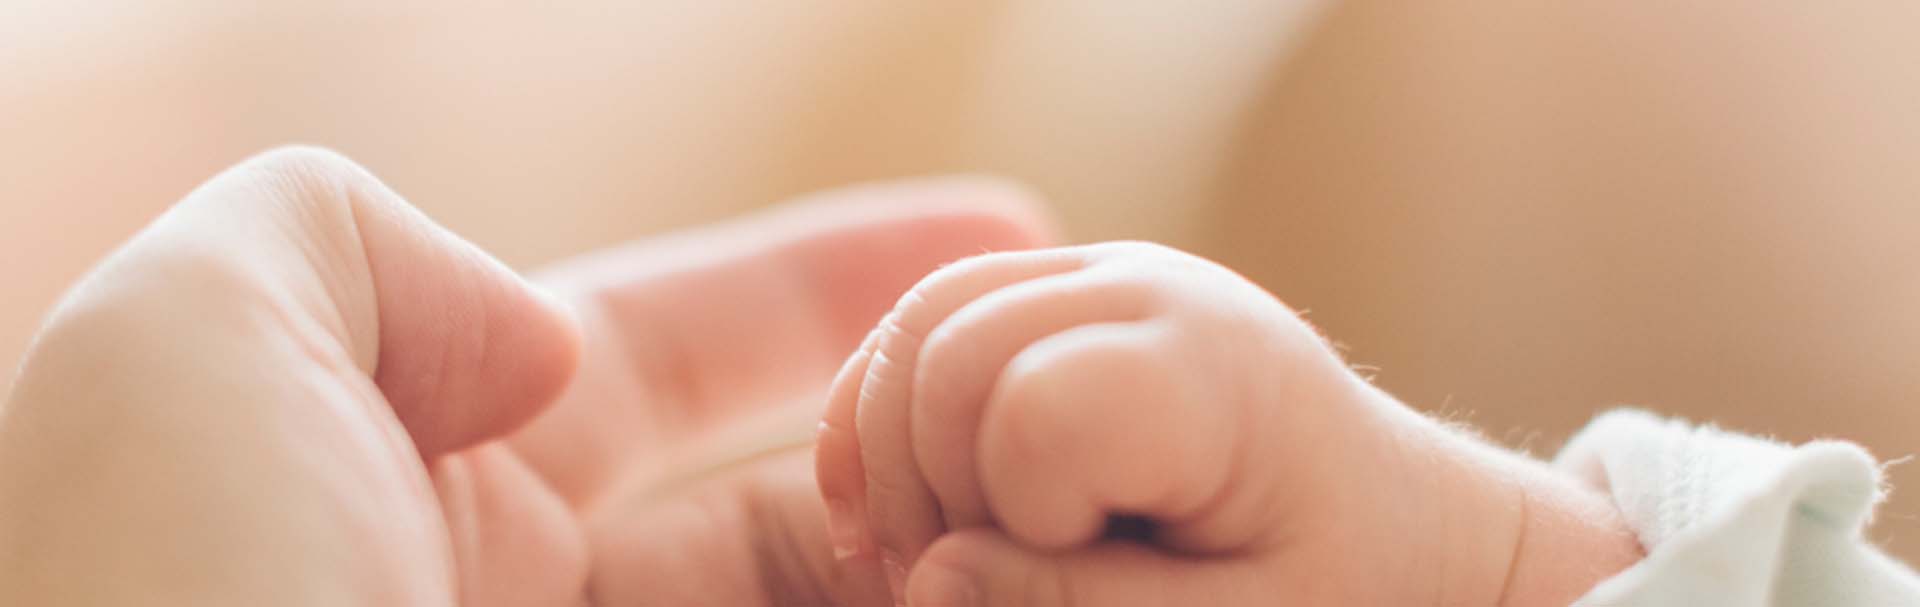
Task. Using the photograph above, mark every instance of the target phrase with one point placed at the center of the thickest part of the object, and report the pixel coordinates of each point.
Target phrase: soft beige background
(1518, 212)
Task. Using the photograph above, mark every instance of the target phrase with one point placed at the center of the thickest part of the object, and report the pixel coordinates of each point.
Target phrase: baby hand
(1012, 407)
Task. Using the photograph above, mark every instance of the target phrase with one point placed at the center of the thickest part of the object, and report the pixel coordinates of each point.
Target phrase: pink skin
(980, 439)
(324, 399)
(294, 389)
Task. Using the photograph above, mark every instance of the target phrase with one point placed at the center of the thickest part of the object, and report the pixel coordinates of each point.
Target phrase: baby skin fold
(984, 436)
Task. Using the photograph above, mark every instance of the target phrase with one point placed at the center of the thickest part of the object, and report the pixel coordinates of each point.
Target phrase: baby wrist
(1571, 538)
(1514, 532)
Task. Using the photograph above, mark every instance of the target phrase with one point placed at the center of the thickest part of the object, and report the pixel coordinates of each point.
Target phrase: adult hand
(293, 389)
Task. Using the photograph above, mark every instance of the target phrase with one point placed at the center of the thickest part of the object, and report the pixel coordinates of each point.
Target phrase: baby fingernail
(844, 530)
(936, 586)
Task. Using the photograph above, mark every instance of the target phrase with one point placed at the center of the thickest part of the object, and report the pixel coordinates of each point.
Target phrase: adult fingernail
(896, 576)
(844, 530)
(940, 586)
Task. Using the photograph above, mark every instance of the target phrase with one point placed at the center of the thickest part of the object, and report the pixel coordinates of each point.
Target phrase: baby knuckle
(917, 309)
(937, 280)
(1132, 358)
(1105, 354)
(1031, 418)
(1152, 258)
(1022, 427)
(896, 347)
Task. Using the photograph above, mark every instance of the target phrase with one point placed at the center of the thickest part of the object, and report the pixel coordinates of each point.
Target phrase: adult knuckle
(301, 166)
(316, 188)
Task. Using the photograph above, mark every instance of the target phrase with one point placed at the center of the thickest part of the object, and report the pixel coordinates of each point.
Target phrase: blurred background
(1519, 213)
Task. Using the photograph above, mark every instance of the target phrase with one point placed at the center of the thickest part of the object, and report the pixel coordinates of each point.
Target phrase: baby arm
(1013, 405)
